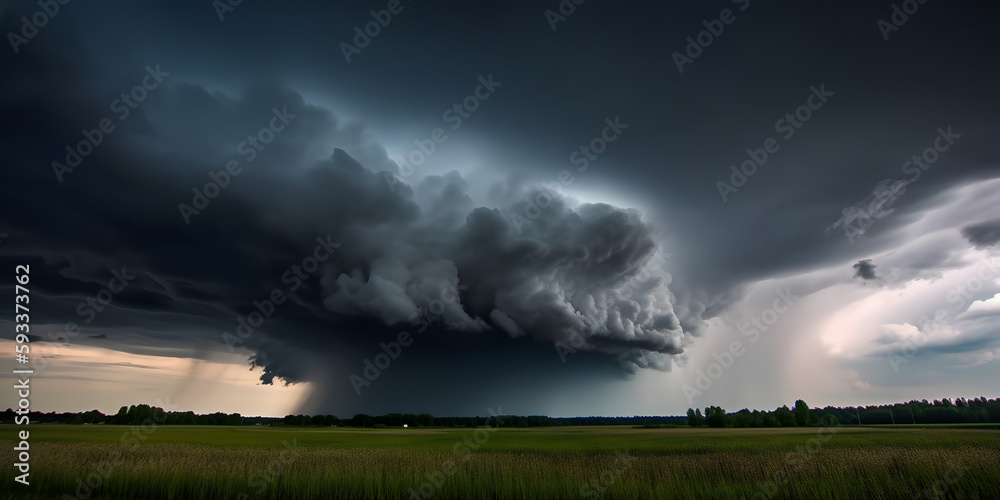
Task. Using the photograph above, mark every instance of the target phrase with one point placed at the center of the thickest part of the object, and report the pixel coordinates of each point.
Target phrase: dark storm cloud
(586, 269)
(866, 132)
(983, 234)
(865, 270)
(576, 270)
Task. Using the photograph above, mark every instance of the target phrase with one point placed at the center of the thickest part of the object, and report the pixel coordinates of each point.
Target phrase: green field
(566, 462)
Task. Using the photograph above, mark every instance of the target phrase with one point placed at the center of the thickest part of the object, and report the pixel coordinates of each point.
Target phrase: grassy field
(165, 462)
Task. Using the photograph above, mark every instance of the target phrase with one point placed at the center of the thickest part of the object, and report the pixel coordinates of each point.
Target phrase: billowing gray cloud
(202, 252)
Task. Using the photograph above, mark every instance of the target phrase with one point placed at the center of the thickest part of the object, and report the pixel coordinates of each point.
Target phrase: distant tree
(770, 420)
(830, 420)
(130, 415)
(803, 415)
(694, 417)
(784, 417)
(742, 418)
(144, 413)
(121, 418)
(317, 420)
(715, 416)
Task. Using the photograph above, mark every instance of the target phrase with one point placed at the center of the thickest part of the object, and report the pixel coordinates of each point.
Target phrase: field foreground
(163, 462)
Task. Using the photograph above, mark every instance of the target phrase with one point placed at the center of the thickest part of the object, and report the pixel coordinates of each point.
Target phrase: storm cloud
(265, 172)
(865, 270)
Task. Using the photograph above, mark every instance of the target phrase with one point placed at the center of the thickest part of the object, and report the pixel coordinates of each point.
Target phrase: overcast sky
(545, 207)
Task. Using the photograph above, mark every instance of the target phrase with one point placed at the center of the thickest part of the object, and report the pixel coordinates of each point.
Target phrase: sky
(611, 208)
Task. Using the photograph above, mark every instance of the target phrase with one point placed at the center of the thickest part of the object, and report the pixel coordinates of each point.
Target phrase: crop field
(185, 462)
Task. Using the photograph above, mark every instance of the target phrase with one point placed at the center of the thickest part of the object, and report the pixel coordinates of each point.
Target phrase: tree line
(131, 415)
(939, 411)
